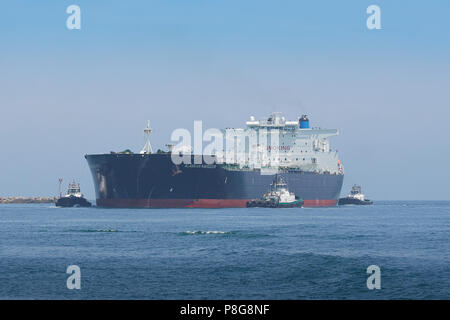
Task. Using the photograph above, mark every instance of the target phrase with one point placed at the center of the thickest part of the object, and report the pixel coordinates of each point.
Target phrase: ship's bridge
(275, 120)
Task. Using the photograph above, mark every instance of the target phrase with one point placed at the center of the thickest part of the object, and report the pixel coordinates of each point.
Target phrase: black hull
(273, 204)
(135, 180)
(346, 201)
(68, 202)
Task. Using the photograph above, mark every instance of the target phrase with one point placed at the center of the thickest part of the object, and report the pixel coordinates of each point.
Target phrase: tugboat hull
(345, 201)
(72, 202)
(274, 204)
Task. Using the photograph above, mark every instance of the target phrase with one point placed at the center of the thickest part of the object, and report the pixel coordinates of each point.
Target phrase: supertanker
(242, 170)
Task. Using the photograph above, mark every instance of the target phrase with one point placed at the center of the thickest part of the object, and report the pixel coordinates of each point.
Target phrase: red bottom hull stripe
(320, 203)
(195, 203)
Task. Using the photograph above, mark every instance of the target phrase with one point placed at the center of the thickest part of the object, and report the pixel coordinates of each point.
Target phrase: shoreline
(22, 200)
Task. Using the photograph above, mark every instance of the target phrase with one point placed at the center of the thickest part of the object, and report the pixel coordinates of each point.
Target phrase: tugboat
(277, 197)
(355, 197)
(73, 198)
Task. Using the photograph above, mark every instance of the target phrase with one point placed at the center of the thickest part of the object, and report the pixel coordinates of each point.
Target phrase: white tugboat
(277, 197)
(73, 198)
(355, 197)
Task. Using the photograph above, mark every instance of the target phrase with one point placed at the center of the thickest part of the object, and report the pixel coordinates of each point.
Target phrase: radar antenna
(147, 147)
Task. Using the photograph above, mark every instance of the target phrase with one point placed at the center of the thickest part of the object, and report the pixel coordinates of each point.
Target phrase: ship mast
(147, 147)
(60, 182)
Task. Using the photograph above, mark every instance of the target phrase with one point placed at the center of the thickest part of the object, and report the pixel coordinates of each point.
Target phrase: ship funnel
(147, 147)
(304, 122)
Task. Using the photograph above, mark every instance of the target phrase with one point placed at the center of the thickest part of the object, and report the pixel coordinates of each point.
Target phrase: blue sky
(65, 93)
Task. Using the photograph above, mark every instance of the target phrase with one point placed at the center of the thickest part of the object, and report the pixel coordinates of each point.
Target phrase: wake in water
(205, 232)
(94, 230)
(247, 234)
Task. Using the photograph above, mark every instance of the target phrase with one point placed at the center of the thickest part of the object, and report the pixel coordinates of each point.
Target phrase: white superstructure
(356, 193)
(74, 190)
(276, 143)
(280, 192)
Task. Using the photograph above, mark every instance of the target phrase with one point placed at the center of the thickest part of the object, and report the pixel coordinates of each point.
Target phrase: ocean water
(299, 253)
